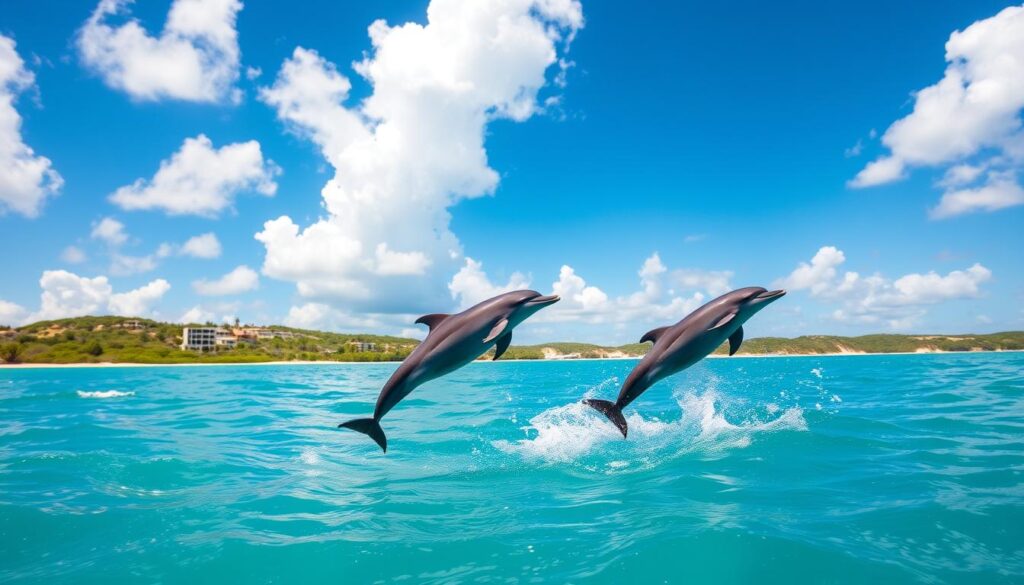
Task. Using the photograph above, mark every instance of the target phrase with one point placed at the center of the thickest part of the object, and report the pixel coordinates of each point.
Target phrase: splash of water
(574, 432)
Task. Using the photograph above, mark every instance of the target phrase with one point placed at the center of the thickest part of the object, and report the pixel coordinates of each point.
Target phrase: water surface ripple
(784, 470)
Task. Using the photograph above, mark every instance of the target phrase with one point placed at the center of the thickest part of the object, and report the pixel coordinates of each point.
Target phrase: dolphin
(679, 346)
(453, 341)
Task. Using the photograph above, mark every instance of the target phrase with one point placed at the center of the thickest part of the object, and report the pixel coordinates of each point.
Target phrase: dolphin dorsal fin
(735, 340)
(503, 342)
(653, 334)
(498, 329)
(723, 321)
(433, 320)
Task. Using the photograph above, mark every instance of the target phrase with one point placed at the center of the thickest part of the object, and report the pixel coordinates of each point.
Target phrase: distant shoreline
(117, 341)
(544, 360)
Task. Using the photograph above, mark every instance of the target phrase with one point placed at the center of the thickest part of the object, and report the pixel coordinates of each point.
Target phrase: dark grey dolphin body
(679, 346)
(453, 341)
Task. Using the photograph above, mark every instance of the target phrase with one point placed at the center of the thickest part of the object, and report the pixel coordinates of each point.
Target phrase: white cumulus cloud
(972, 112)
(1001, 190)
(876, 298)
(961, 174)
(207, 312)
(878, 172)
(138, 301)
(201, 180)
(411, 149)
(205, 246)
(818, 274)
(574, 291)
(11, 314)
(585, 303)
(73, 255)
(195, 58)
(109, 230)
(26, 179)
(471, 285)
(114, 234)
(239, 280)
(196, 314)
(389, 262)
(321, 316)
(932, 287)
(65, 294)
(714, 282)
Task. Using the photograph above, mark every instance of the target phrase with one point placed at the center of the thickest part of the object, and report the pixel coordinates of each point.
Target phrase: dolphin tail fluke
(370, 427)
(610, 410)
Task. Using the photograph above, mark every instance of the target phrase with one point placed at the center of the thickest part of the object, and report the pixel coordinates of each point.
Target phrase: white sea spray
(104, 394)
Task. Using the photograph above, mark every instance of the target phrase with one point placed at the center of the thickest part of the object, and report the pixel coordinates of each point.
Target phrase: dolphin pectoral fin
(653, 335)
(503, 342)
(610, 410)
(735, 340)
(723, 321)
(433, 320)
(498, 329)
(369, 427)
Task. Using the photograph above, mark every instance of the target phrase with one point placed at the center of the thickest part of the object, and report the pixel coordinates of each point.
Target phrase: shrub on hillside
(11, 352)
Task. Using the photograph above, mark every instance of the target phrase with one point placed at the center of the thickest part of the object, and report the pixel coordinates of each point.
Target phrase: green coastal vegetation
(144, 341)
(132, 340)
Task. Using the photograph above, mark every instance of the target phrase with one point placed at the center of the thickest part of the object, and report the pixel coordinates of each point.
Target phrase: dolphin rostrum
(679, 346)
(453, 341)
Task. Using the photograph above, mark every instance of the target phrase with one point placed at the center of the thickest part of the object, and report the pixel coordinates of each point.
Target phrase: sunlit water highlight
(788, 470)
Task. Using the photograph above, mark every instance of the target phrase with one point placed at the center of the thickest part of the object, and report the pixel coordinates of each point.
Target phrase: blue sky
(706, 147)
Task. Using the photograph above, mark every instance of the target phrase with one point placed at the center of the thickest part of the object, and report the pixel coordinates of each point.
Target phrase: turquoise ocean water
(882, 469)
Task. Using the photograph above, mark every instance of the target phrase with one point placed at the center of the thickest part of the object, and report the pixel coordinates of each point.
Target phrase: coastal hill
(144, 341)
(804, 345)
(136, 340)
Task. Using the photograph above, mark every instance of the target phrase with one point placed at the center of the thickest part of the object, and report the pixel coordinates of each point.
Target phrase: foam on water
(104, 394)
(574, 431)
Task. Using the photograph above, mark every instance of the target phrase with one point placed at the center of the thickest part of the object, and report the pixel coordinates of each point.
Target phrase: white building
(224, 338)
(207, 338)
(263, 333)
(200, 338)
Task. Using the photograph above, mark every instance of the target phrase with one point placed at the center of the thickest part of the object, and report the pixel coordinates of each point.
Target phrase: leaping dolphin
(453, 341)
(679, 346)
